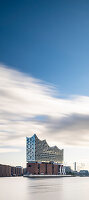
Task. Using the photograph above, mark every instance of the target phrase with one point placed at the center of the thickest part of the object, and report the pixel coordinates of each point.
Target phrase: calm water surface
(19, 188)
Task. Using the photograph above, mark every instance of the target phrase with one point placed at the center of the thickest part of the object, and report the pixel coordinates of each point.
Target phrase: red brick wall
(55, 169)
(42, 168)
(5, 170)
(32, 168)
(49, 169)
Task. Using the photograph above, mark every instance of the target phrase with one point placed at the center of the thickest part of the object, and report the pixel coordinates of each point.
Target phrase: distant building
(13, 171)
(84, 173)
(67, 169)
(75, 166)
(39, 151)
(6, 171)
(19, 171)
(24, 171)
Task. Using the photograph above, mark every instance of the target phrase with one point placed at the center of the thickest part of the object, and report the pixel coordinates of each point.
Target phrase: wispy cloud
(28, 105)
(7, 150)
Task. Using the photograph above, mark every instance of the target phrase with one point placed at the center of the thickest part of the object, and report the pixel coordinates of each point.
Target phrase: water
(20, 188)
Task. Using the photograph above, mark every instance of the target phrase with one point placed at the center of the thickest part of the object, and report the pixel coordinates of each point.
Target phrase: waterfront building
(43, 159)
(68, 169)
(75, 167)
(19, 171)
(24, 171)
(13, 171)
(39, 151)
(6, 171)
(84, 173)
(45, 168)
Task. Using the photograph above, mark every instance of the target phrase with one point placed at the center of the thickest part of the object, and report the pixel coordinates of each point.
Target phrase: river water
(20, 188)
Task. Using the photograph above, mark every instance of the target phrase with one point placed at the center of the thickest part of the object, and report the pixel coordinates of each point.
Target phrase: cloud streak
(29, 105)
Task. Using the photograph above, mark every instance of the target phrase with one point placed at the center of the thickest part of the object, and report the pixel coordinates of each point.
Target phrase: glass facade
(30, 148)
(40, 151)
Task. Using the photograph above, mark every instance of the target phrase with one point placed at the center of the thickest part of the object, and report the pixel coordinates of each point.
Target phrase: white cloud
(7, 150)
(28, 105)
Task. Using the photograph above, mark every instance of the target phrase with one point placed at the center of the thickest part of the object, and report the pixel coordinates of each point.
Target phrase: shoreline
(47, 176)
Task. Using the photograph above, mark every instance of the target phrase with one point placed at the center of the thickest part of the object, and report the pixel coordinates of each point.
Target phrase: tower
(74, 166)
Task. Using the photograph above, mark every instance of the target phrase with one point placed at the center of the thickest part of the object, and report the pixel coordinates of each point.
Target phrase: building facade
(6, 171)
(39, 151)
(43, 168)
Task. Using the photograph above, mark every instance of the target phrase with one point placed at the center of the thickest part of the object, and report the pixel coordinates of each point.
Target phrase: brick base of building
(36, 168)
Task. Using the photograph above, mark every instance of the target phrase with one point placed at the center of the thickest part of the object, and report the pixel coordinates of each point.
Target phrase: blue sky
(48, 40)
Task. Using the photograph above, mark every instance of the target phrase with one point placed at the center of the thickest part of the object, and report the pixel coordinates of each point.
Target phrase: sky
(44, 77)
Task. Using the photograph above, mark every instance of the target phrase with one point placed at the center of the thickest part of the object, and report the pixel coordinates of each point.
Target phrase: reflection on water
(19, 188)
